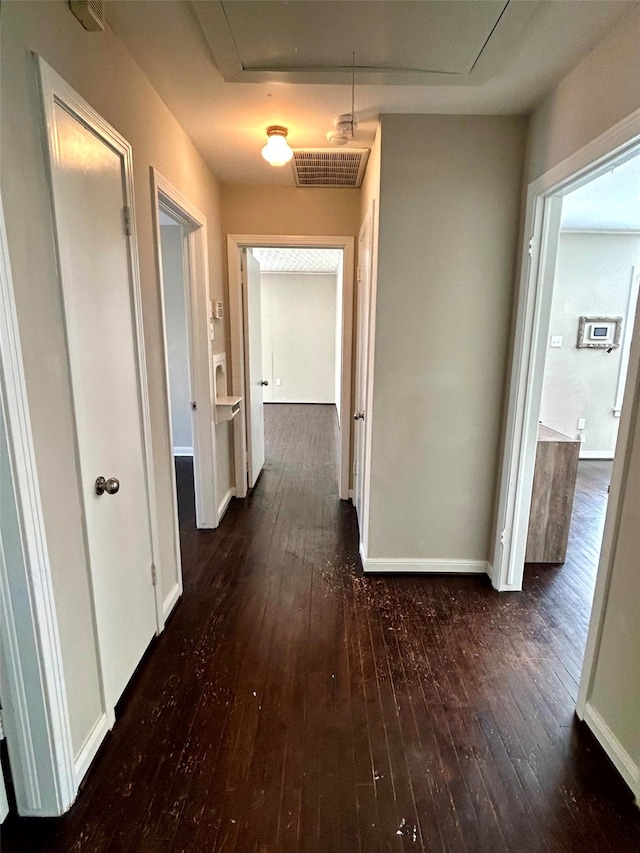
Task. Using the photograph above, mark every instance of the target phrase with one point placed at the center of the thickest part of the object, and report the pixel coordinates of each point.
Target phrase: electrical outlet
(556, 340)
(581, 423)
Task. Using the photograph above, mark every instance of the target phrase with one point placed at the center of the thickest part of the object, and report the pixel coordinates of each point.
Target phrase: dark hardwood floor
(294, 705)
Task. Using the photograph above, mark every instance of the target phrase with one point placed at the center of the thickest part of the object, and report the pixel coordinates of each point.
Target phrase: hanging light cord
(353, 91)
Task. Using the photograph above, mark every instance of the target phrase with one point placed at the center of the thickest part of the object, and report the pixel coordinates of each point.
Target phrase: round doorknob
(264, 382)
(110, 486)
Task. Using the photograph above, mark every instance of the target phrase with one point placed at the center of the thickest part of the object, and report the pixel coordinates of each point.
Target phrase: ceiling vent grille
(319, 167)
(90, 13)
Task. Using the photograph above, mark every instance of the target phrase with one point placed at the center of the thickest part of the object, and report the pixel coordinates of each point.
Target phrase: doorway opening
(182, 265)
(291, 334)
(593, 306)
(174, 275)
(576, 364)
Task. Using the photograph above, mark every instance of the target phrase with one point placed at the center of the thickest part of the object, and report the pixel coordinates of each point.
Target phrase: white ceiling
(420, 57)
(611, 202)
(298, 260)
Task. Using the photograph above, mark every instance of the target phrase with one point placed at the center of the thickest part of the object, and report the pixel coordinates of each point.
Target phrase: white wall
(100, 69)
(601, 91)
(172, 241)
(449, 206)
(593, 277)
(299, 337)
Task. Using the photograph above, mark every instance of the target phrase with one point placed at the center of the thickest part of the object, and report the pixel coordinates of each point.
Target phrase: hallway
(293, 705)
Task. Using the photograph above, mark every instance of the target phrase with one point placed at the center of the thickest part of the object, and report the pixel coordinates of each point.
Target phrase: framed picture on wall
(599, 332)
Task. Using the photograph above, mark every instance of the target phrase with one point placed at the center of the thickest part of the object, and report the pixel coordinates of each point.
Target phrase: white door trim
(35, 712)
(55, 90)
(533, 307)
(165, 195)
(236, 242)
(369, 221)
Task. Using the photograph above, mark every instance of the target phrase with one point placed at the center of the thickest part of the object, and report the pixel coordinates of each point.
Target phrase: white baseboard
(171, 600)
(224, 503)
(597, 454)
(389, 565)
(90, 747)
(621, 759)
(183, 451)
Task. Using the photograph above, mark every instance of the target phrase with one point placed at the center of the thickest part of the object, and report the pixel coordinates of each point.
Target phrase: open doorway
(591, 319)
(291, 334)
(576, 369)
(172, 249)
(181, 240)
(292, 317)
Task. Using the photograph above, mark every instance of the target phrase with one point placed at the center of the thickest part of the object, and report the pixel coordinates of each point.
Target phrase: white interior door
(254, 380)
(362, 367)
(89, 194)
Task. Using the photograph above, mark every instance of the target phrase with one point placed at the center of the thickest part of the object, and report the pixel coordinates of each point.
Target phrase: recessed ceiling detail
(395, 41)
(319, 167)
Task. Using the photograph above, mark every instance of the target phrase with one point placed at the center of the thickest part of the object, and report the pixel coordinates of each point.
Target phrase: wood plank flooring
(294, 706)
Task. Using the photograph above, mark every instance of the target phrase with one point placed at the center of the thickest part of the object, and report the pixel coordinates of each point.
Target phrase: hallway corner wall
(450, 198)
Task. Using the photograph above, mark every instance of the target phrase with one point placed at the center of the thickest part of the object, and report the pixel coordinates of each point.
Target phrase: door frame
(196, 293)
(527, 369)
(363, 524)
(54, 90)
(35, 712)
(237, 242)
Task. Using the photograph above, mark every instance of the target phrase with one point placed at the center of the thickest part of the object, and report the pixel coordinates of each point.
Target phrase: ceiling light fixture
(277, 151)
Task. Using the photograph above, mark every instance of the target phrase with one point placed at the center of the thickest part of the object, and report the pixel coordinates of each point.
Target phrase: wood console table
(554, 482)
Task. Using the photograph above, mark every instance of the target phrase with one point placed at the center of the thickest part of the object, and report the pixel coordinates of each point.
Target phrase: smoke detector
(344, 129)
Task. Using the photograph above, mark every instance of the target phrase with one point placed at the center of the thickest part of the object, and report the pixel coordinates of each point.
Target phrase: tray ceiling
(394, 41)
(188, 53)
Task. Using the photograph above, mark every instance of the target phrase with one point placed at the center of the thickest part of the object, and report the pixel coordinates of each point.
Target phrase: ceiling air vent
(321, 167)
(90, 13)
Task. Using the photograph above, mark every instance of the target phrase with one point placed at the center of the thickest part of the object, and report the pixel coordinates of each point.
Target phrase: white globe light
(277, 151)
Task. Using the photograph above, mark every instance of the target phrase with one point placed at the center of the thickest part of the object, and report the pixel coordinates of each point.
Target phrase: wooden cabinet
(554, 481)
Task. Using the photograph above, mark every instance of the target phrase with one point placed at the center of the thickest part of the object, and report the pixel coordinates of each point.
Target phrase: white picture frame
(599, 332)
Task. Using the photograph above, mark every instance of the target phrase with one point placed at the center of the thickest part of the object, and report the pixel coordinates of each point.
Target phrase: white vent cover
(90, 13)
(322, 167)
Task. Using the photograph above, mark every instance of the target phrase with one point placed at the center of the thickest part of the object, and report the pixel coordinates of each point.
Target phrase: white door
(362, 366)
(89, 195)
(253, 381)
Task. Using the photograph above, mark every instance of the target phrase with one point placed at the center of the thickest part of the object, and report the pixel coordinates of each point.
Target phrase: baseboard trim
(402, 565)
(596, 454)
(224, 503)
(91, 747)
(183, 451)
(621, 759)
(171, 600)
